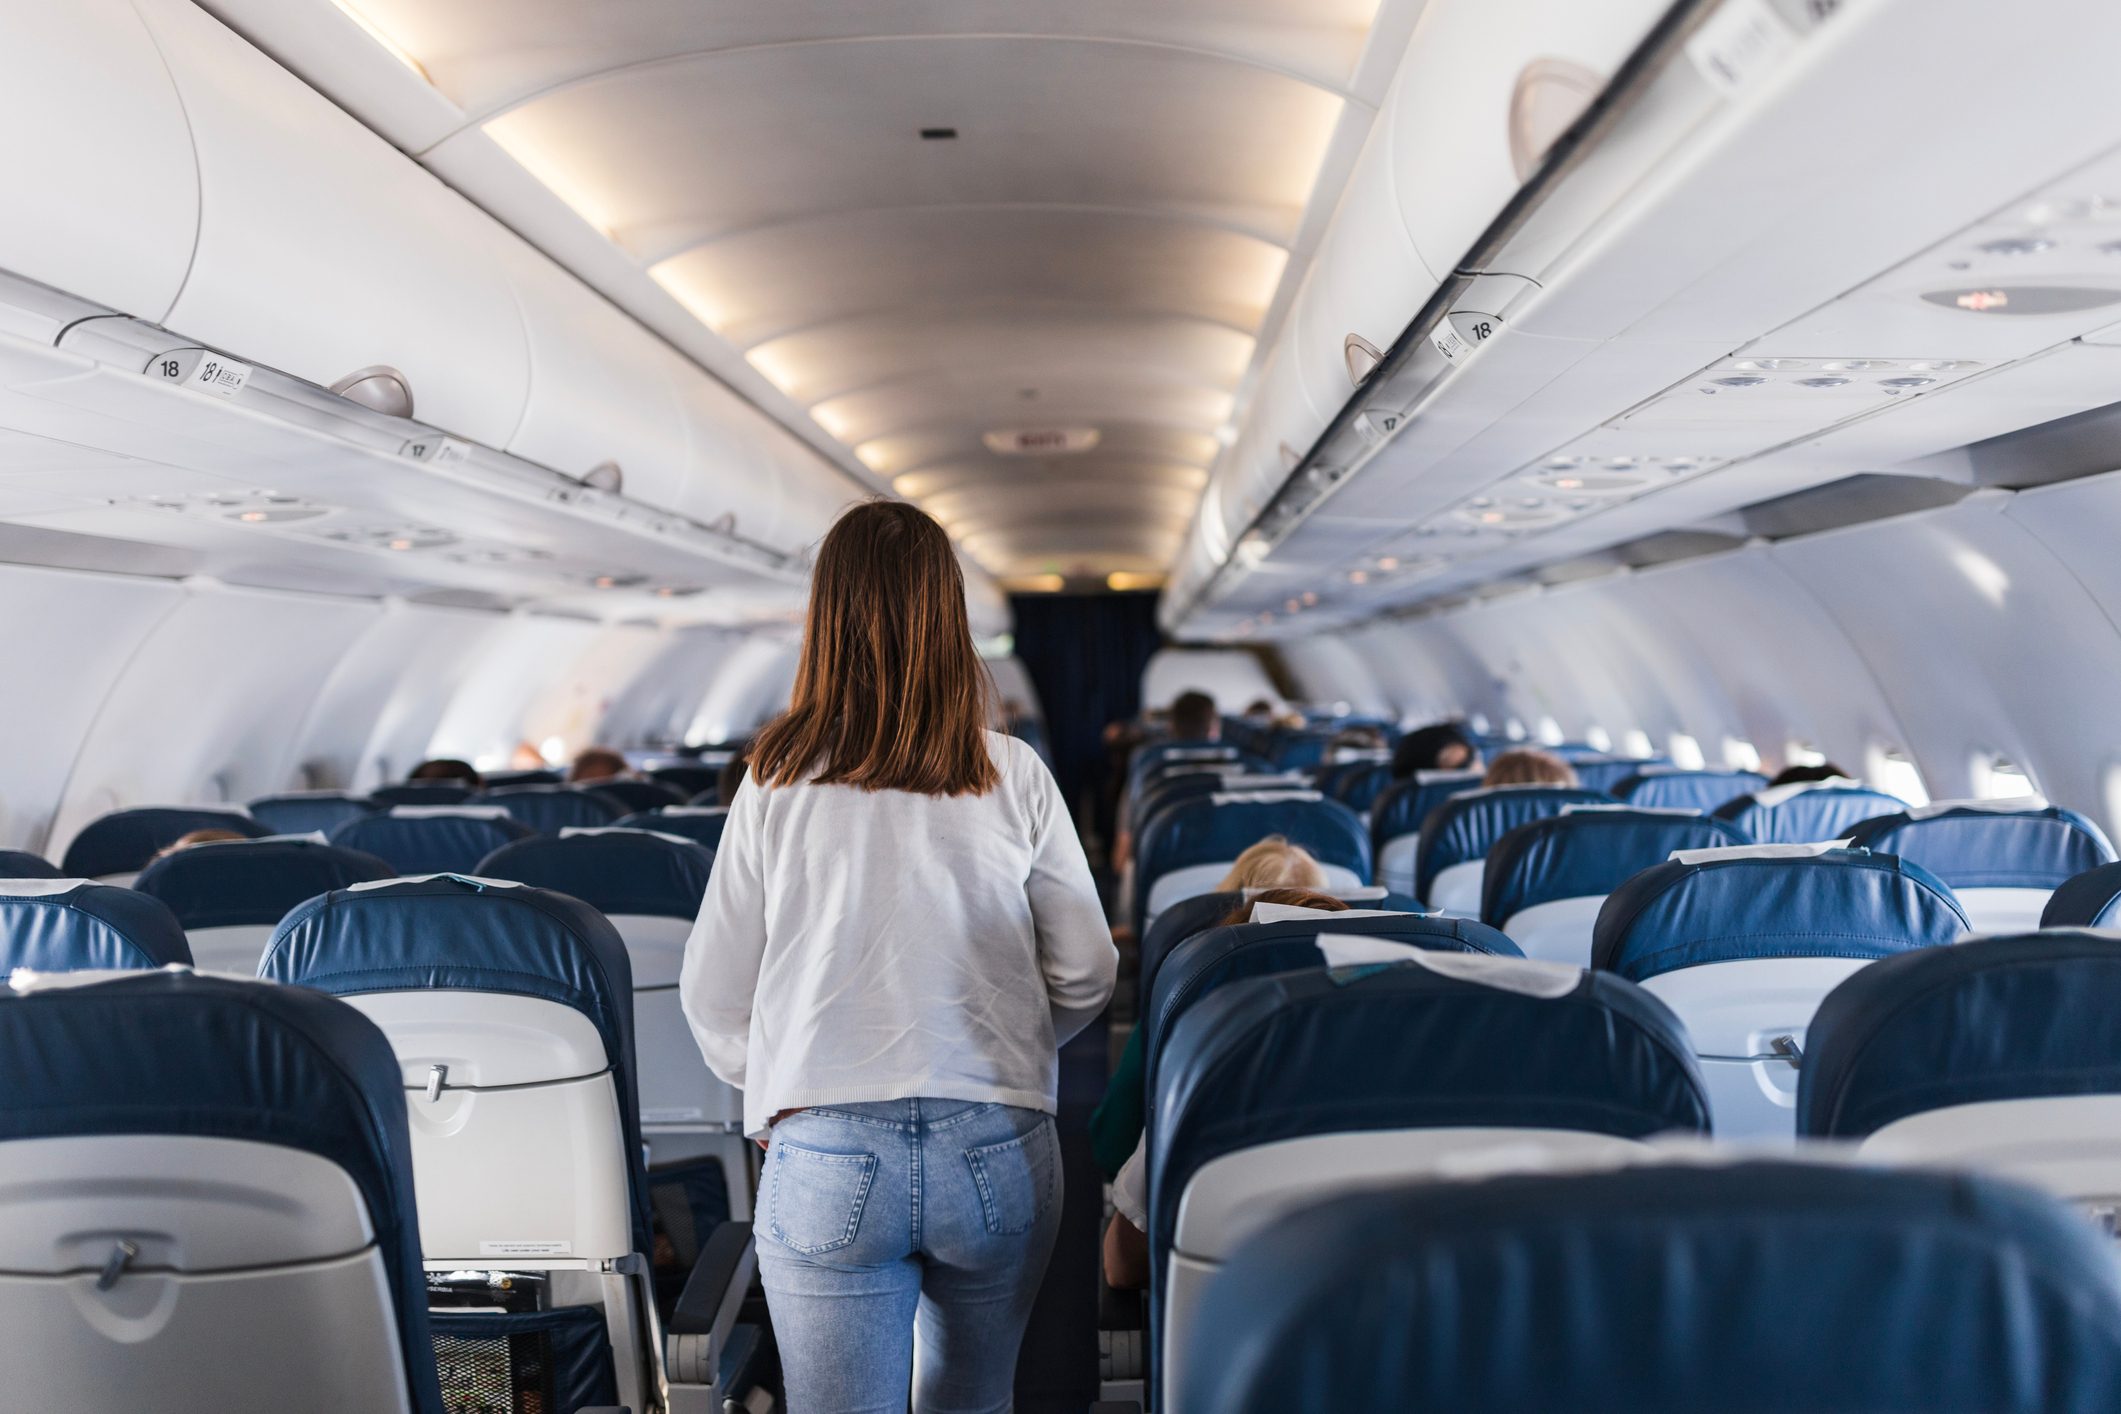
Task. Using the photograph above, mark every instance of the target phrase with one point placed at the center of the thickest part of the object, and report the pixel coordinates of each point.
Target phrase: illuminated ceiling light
(772, 364)
(2016, 245)
(1358, 577)
(374, 31)
(1568, 483)
(1898, 384)
(670, 274)
(1294, 606)
(1133, 579)
(874, 455)
(1036, 583)
(1832, 382)
(1226, 434)
(1310, 598)
(251, 516)
(516, 134)
(824, 415)
(1388, 563)
(400, 544)
(1741, 380)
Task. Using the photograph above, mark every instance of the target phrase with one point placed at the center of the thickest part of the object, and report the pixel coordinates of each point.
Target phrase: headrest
(1198, 965)
(124, 840)
(614, 871)
(1465, 826)
(430, 844)
(1974, 845)
(1763, 1285)
(2032, 1016)
(550, 809)
(1405, 1047)
(1201, 912)
(452, 933)
(21, 864)
(422, 793)
(1843, 903)
(1807, 811)
(299, 812)
(1668, 787)
(1605, 771)
(627, 796)
(75, 925)
(1585, 852)
(179, 1053)
(2091, 900)
(1206, 829)
(702, 826)
(252, 881)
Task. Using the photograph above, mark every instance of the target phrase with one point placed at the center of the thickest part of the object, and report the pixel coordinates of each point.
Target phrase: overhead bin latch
(201, 370)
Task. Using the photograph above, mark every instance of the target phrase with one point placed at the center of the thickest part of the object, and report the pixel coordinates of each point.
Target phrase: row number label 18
(200, 369)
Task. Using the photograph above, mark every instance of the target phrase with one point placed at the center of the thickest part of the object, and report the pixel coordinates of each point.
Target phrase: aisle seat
(1546, 880)
(1188, 846)
(1189, 916)
(1675, 788)
(1451, 864)
(1276, 1093)
(78, 925)
(702, 824)
(510, 1010)
(1807, 812)
(2003, 858)
(1745, 943)
(2002, 1054)
(230, 895)
(1674, 1288)
(117, 846)
(432, 839)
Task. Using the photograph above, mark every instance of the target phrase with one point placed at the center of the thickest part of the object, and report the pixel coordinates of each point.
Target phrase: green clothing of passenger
(1116, 1123)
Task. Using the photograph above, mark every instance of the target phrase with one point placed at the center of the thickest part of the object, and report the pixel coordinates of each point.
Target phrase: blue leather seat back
(305, 812)
(2033, 1016)
(1209, 960)
(1603, 771)
(430, 844)
(1808, 816)
(76, 925)
(451, 933)
(614, 871)
(1191, 916)
(687, 781)
(551, 809)
(423, 793)
(21, 864)
(629, 796)
(1844, 903)
(1152, 755)
(1673, 789)
(252, 881)
(1972, 848)
(1751, 1286)
(702, 824)
(1356, 784)
(1466, 826)
(1217, 828)
(217, 1057)
(2090, 900)
(1584, 852)
(123, 841)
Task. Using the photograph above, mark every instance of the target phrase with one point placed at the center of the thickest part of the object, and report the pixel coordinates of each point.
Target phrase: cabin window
(1740, 754)
(553, 749)
(1686, 752)
(1895, 772)
(2000, 778)
(1549, 732)
(1637, 744)
(1479, 723)
(1803, 753)
(1513, 729)
(1597, 738)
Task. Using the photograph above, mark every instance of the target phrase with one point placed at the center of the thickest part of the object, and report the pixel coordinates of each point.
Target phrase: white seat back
(234, 948)
(1558, 930)
(1747, 1019)
(2069, 1145)
(2003, 910)
(1395, 862)
(255, 1274)
(1456, 888)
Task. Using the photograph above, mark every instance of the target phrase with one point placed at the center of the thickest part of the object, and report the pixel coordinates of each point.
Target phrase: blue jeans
(877, 1220)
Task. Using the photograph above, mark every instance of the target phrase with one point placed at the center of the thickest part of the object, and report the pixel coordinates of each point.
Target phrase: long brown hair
(890, 694)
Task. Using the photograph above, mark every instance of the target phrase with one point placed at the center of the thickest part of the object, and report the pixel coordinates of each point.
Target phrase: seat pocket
(816, 1198)
(1016, 1179)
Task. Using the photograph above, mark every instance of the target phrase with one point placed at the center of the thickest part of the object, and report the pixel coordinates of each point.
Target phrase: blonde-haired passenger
(1529, 766)
(1273, 863)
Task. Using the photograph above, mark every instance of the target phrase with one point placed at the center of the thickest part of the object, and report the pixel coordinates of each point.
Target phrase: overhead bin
(324, 251)
(83, 90)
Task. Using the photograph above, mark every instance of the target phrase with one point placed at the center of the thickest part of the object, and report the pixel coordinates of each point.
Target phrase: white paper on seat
(1355, 950)
(691, 812)
(1433, 778)
(1590, 808)
(445, 812)
(1264, 797)
(1775, 795)
(1755, 851)
(568, 832)
(1283, 912)
(2012, 806)
(1543, 980)
(422, 878)
(39, 888)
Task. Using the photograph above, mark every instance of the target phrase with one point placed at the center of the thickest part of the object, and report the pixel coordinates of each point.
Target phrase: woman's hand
(767, 1142)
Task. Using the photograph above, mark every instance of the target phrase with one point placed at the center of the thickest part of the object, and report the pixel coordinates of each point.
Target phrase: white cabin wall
(753, 685)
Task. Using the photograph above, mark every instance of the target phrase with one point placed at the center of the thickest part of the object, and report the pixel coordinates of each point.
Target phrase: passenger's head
(1193, 717)
(1804, 775)
(597, 763)
(889, 692)
(1261, 711)
(1529, 766)
(1295, 898)
(1441, 747)
(1274, 863)
(732, 777)
(192, 837)
(447, 768)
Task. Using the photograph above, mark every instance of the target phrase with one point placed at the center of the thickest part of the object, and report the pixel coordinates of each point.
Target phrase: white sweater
(880, 945)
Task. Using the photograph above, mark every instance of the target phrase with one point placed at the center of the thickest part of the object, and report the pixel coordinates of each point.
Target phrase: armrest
(707, 1309)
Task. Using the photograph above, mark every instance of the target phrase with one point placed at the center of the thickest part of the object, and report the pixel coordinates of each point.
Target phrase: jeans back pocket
(817, 1197)
(1016, 1179)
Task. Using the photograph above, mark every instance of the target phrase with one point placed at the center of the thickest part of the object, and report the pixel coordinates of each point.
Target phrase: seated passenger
(1126, 1238)
(1273, 863)
(597, 763)
(1442, 747)
(186, 841)
(732, 777)
(1805, 775)
(447, 768)
(1260, 713)
(1529, 766)
(1193, 718)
